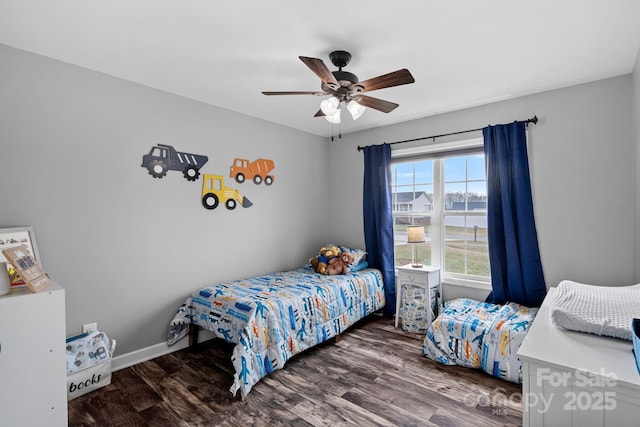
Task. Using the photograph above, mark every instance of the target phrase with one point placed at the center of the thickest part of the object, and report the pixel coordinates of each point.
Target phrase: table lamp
(415, 234)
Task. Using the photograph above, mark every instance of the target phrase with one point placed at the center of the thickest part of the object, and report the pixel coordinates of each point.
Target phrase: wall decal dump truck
(214, 192)
(258, 171)
(163, 157)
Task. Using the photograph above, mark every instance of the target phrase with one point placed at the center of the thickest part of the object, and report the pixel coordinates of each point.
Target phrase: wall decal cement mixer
(257, 171)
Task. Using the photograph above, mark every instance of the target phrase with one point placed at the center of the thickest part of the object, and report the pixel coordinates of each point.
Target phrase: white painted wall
(581, 158)
(129, 248)
(636, 128)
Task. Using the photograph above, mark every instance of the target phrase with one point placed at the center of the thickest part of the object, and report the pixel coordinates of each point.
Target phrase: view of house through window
(448, 196)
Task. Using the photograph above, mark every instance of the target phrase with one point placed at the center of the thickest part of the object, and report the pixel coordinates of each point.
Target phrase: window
(446, 192)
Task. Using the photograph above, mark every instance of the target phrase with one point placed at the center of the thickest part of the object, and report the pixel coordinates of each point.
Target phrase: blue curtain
(516, 269)
(378, 219)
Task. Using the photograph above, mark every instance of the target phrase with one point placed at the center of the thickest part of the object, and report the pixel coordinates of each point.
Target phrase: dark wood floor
(375, 375)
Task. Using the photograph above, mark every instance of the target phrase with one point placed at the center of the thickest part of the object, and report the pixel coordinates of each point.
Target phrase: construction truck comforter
(480, 335)
(274, 317)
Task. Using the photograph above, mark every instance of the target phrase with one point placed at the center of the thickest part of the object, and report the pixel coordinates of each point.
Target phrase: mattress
(600, 310)
(480, 335)
(271, 318)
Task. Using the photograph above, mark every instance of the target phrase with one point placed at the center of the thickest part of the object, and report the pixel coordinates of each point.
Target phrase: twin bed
(273, 317)
(480, 335)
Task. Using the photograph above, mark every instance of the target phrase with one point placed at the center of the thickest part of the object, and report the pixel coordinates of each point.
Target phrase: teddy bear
(339, 265)
(318, 266)
(330, 252)
(321, 261)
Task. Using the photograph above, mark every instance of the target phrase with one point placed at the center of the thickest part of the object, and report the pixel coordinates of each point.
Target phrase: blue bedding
(480, 335)
(274, 317)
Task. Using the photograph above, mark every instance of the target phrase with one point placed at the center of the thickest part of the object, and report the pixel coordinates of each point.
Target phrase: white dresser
(577, 379)
(33, 375)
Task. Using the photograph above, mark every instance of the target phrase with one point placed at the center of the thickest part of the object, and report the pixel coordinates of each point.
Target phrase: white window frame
(438, 214)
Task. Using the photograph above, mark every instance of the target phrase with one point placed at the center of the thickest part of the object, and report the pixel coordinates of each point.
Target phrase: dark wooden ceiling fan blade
(320, 69)
(319, 113)
(295, 93)
(375, 103)
(396, 78)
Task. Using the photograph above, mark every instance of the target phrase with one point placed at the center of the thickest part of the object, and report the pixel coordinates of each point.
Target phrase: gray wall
(636, 121)
(581, 158)
(129, 248)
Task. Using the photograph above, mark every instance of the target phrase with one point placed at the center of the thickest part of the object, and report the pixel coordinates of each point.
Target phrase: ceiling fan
(345, 87)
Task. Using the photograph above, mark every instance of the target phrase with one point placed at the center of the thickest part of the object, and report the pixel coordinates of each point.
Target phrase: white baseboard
(153, 351)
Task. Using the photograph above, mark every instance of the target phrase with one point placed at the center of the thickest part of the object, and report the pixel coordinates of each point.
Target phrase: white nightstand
(426, 277)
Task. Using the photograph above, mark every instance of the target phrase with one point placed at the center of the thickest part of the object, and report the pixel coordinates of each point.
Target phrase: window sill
(466, 283)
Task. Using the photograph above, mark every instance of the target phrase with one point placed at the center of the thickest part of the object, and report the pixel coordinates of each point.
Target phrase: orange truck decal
(257, 171)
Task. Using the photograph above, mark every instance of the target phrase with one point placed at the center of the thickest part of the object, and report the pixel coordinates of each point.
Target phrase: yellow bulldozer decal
(214, 192)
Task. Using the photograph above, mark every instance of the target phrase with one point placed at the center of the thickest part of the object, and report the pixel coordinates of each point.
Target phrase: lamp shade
(333, 118)
(329, 105)
(355, 109)
(415, 234)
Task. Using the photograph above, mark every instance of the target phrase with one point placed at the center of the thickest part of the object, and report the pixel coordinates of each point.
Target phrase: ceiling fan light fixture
(355, 109)
(333, 118)
(329, 106)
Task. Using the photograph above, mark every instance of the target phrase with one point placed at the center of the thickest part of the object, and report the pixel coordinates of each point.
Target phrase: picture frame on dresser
(17, 236)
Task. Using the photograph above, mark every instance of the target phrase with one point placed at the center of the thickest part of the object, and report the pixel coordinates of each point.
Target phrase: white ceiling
(461, 53)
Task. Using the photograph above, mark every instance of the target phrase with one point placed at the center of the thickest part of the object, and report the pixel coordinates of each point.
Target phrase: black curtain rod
(533, 120)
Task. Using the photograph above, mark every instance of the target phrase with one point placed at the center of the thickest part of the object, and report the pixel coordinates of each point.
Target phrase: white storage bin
(88, 363)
